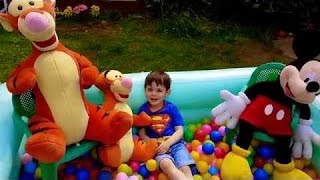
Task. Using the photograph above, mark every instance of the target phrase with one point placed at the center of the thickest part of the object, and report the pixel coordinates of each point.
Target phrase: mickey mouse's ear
(306, 44)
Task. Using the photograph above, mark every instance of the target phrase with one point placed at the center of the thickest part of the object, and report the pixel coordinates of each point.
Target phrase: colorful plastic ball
(259, 162)
(188, 146)
(206, 121)
(215, 136)
(214, 126)
(250, 160)
(143, 171)
(26, 158)
(213, 170)
(27, 176)
(133, 177)
(206, 158)
(222, 130)
(195, 155)
(215, 177)
(197, 177)
(121, 176)
(206, 128)
(208, 148)
(135, 165)
(194, 144)
(151, 165)
(199, 149)
(38, 173)
(104, 175)
(192, 127)
(125, 168)
(219, 163)
(83, 174)
(70, 169)
(260, 174)
(70, 177)
(266, 152)
(200, 135)
(206, 175)
(162, 176)
(224, 146)
(188, 135)
(219, 153)
(30, 167)
(268, 167)
(202, 166)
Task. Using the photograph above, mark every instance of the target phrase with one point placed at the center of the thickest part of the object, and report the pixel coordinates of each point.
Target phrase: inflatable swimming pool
(194, 92)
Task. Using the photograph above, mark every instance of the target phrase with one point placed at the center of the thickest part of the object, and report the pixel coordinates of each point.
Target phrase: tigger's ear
(5, 22)
(53, 2)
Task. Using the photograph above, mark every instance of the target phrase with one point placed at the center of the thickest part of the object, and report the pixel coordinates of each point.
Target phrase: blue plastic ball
(213, 170)
(216, 136)
(104, 175)
(260, 174)
(266, 152)
(70, 170)
(208, 148)
(143, 171)
(83, 174)
(30, 167)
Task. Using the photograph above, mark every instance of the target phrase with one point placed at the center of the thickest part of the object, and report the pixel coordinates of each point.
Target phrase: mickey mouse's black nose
(313, 86)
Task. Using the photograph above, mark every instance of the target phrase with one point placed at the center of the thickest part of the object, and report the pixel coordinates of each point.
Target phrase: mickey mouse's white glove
(230, 109)
(303, 138)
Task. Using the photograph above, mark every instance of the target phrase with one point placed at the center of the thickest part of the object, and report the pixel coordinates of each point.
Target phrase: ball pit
(205, 85)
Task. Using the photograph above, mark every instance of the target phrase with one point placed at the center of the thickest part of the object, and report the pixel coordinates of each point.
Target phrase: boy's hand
(163, 148)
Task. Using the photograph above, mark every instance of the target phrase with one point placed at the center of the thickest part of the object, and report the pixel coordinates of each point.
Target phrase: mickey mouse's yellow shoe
(235, 165)
(288, 172)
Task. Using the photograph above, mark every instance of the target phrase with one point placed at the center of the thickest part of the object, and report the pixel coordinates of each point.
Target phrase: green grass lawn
(135, 45)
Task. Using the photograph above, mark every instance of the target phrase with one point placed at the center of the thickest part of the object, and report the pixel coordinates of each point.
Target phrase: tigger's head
(114, 81)
(34, 19)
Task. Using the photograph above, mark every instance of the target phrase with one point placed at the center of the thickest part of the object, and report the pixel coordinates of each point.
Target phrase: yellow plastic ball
(151, 165)
(38, 173)
(162, 176)
(255, 143)
(139, 177)
(192, 127)
(126, 169)
(207, 137)
(206, 175)
(94, 154)
(197, 177)
(195, 155)
(194, 144)
(268, 167)
(206, 121)
(215, 177)
(299, 163)
(202, 166)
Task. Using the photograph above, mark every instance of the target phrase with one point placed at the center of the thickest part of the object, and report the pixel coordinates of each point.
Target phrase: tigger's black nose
(313, 86)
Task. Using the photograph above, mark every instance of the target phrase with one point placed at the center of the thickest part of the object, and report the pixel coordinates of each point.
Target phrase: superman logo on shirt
(160, 122)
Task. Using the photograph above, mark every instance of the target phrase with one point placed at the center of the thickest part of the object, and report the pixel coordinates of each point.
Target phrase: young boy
(172, 155)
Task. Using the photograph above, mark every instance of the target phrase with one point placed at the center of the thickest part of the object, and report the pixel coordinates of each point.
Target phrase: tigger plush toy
(116, 89)
(57, 77)
(267, 106)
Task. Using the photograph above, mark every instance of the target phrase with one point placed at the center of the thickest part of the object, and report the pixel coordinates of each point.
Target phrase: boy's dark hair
(159, 77)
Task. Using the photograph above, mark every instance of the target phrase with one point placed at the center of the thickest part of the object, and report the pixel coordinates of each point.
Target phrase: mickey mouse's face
(302, 86)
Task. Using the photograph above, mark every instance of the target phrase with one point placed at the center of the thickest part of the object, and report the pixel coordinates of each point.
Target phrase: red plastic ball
(219, 153)
(259, 162)
(200, 135)
(214, 126)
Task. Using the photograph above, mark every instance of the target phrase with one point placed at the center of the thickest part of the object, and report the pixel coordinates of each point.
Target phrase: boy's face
(155, 94)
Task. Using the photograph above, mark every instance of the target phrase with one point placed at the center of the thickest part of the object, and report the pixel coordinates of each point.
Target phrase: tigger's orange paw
(110, 155)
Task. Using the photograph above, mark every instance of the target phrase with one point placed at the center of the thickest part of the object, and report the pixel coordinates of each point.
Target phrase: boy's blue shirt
(163, 120)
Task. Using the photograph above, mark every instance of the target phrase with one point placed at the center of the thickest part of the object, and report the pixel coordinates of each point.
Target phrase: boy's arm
(176, 136)
(143, 135)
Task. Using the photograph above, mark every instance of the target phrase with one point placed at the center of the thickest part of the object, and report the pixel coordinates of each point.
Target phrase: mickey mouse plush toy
(267, 106)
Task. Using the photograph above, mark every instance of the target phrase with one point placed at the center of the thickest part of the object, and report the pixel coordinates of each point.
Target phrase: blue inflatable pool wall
(194, 92)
